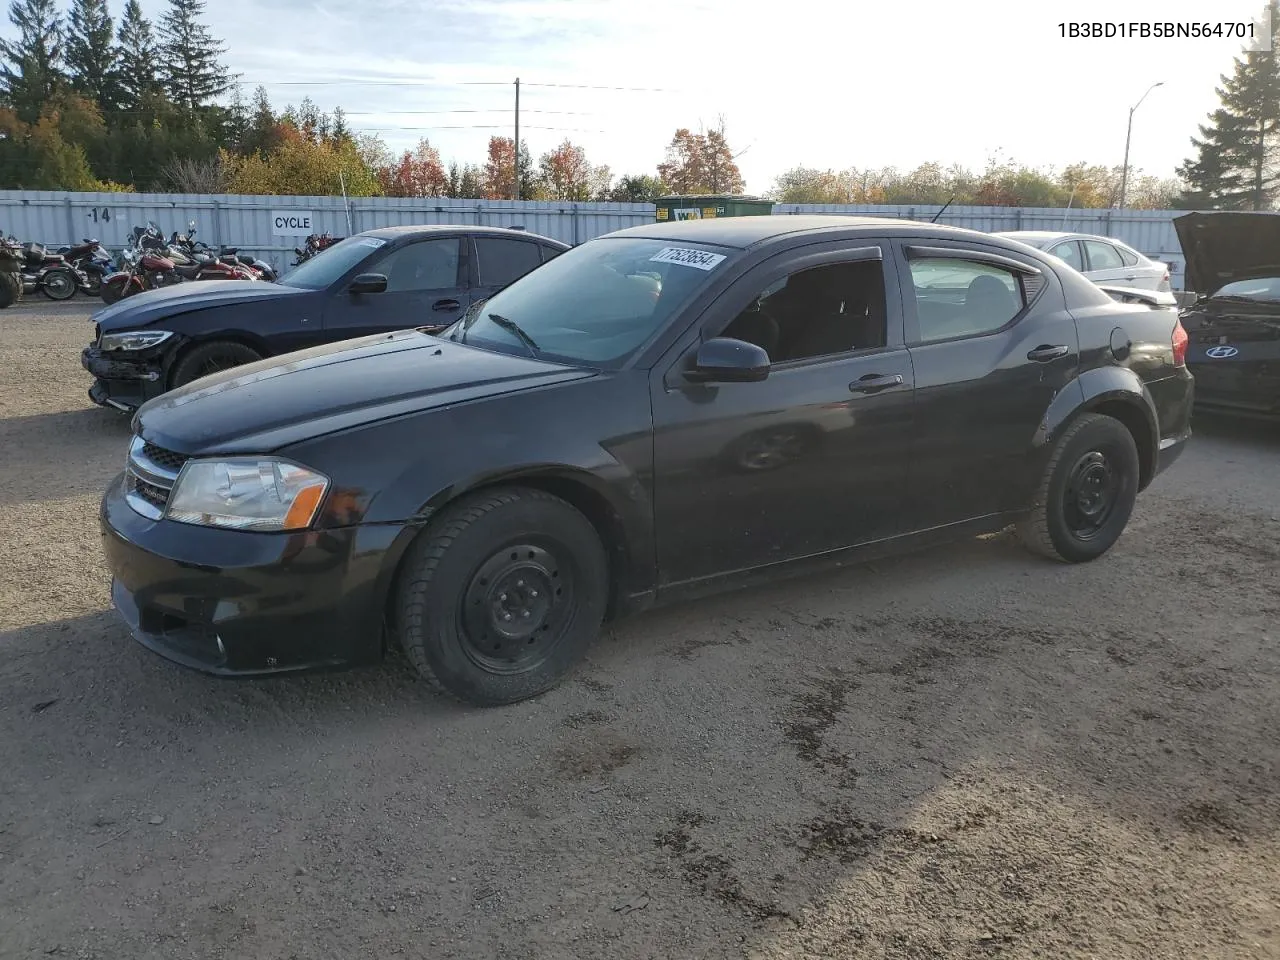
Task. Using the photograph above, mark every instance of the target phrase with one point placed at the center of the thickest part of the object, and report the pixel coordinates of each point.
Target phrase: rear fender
(1114, 391)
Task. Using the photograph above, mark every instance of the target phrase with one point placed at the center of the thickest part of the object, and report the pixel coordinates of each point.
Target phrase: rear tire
(1087, 494)
(59, 285)
(210, 358)
(10, 289)
(502, 596)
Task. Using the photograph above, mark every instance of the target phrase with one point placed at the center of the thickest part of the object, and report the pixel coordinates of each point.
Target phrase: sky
(819, 83)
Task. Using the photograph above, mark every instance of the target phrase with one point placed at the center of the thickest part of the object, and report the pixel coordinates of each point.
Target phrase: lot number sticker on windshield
(372, 242)
(699, 259)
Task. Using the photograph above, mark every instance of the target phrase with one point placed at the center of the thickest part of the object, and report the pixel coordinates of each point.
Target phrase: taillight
(1180, 340)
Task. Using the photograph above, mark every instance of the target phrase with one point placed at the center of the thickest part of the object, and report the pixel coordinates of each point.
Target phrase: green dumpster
(705, 206)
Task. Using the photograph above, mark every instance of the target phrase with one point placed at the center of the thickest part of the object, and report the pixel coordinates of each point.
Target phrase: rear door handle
(874, 383)
(1043, 354)
(446, 305)
(1132, 276)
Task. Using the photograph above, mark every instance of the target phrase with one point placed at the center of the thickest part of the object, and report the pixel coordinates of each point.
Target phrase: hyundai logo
(1221, 353)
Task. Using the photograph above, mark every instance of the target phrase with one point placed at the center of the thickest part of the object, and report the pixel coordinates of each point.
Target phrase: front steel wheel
(1088, 491)
(502, 596)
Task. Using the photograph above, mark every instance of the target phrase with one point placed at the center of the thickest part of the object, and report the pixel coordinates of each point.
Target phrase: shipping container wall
(270, 227)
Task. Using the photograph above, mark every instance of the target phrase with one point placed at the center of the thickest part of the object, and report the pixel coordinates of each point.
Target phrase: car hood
(263, 406)
(1221, 248)
(149, 306)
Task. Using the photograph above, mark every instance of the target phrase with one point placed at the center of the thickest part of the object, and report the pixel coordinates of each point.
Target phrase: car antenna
(940, 212)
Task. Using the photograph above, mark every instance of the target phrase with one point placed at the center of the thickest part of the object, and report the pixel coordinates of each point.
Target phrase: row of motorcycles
(31, 267)
(148, 262)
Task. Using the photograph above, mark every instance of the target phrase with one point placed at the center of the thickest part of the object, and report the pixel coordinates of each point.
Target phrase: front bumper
(234, 603)
(122, 381)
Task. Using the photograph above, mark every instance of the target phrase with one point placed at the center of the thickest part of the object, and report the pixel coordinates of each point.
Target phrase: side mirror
(725, 360)
(368, 283)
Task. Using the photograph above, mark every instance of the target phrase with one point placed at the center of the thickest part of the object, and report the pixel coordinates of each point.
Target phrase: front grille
(152, 493)
(150, 474)
(165, 458)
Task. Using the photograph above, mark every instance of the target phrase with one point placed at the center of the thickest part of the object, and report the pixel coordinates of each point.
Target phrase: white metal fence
(270, 227)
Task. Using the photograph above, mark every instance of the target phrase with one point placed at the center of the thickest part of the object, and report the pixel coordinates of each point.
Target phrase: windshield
(595, 304)
(326, 267)
(1263, 288)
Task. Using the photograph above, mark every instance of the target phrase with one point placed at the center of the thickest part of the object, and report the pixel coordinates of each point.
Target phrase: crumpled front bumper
(122, 381)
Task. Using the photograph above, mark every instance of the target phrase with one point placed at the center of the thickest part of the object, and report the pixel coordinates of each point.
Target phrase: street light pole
(515, 153)
(1124, 171)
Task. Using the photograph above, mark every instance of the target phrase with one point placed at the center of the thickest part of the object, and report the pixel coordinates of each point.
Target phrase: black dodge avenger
(663, 411)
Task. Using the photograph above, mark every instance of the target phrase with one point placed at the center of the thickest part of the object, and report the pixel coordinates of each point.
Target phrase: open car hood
(1224, 247)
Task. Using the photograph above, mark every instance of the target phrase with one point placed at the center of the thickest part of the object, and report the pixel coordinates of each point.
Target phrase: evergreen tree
(1237, 162)
(191, 57)
(33, 71)
(92, 55)
(340, 130)
(137, 53)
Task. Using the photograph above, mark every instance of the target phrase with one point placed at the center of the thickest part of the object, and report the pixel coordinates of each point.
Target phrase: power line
(427, 82)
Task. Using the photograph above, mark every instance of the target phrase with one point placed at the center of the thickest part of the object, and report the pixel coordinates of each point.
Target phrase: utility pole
(515, 153)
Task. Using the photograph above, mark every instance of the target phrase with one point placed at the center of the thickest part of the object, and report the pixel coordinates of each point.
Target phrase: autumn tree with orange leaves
(701, 163)
(499, 170)
(417, 173)
(565, 173)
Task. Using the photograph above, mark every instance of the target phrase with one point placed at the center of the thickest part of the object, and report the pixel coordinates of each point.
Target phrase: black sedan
(376, 281)
(663, 411)
(1233, 262)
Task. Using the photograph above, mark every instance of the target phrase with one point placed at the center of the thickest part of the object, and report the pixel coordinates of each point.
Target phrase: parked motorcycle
(11, 263)
(93, 262)
(260, 269)
(145, 265)
(315, 243)
(47, 272)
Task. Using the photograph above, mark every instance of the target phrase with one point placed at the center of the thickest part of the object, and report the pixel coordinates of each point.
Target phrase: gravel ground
(964, 753)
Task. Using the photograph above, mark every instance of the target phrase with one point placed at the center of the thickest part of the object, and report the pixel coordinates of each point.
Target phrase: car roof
(743, 232)
(427, 229)
(1046, 236)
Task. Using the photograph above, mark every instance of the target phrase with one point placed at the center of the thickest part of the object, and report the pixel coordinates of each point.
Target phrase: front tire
(1087, 495)
(210, 358)
(502, 596)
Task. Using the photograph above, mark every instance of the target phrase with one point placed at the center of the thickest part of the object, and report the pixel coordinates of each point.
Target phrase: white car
(1104, 260)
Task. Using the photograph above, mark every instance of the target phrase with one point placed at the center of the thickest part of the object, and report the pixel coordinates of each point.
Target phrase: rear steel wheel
(1088, 491)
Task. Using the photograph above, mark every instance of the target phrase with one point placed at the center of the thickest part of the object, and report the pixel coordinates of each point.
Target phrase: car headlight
(133, 339)
(247, 494)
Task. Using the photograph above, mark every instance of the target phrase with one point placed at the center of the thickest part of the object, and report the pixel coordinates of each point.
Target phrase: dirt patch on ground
(967, 753)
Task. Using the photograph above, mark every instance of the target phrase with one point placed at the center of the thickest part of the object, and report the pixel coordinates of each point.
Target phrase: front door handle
(1043, 353)
(874, 383)
(1132, 276)
(446, 305)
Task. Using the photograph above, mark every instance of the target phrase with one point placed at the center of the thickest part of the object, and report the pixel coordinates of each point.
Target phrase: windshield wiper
(512, 327)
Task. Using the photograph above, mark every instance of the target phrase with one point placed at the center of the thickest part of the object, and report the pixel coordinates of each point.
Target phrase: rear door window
(1070, 253)
(500, 261)
(1102, 256)
(963, 298)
